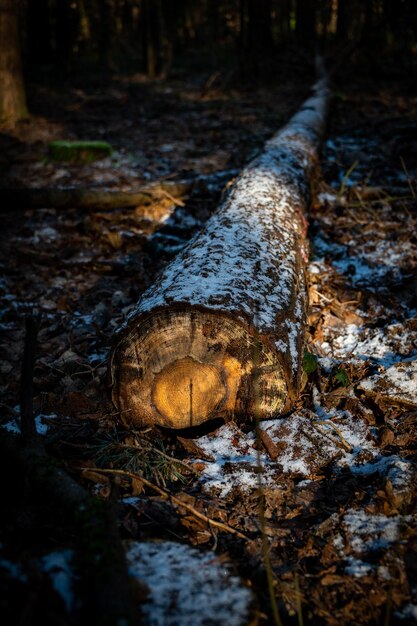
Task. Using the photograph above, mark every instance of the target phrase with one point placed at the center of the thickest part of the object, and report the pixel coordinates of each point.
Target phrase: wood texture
(12, 90)
(221, 331)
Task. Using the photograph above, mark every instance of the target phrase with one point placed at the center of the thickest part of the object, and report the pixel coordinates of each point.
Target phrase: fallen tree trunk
(221, 332)
(12, 199)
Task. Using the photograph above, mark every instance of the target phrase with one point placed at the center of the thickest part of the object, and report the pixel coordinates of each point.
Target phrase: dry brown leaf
(332, 579)
(387, 437)
(95, 477)
(269, 445)
(115, 239)
(77, 402)
(193, 448)
(137, 486)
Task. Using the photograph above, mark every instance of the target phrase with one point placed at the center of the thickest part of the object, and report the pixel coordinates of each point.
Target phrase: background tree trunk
(255, 37)
(12, 91)
(105, 34)
(38, 33)
(342, 20)
(306, 21)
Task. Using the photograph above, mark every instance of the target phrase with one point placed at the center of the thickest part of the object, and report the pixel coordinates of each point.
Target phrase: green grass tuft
(78, 151)
(309, 362)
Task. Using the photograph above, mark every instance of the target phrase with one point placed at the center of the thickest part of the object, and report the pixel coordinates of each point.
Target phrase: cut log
(80, 198)
(221, 331)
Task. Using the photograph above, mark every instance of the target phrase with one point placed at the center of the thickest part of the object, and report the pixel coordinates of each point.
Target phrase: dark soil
(84, 271)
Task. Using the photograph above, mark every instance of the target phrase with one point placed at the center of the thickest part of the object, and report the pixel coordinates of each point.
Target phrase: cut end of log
(181, 368)
(187, 391)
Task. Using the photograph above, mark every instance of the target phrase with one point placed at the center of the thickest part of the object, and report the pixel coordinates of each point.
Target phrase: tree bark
(221, 332)
(12, 91)
(38, 50)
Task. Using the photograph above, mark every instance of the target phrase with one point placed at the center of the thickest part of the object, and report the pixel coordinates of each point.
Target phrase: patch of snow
(397, 470)
(326, 196)
(13, 569)
(370, 263)
(304, 483)
(167, 147)
(409, 611)
(326, 363)
(357, 568)
(369, 532)
(58, 566)
(385, 346)
(303, 445)
(48, 234)
(384, 573)
(83, 321)
(306, 443)
(397, 382)
(235, 464)
(317, 267)
(132, 500)
(42, 426)
(187, 587)
(12, 427)
(325, 250)
(96, 358)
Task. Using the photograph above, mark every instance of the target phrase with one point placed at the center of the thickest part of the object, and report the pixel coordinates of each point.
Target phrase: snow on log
(221, 331)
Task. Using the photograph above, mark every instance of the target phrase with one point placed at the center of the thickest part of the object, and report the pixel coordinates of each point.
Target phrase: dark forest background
(154, 36)
(247, 38)
(179, 95)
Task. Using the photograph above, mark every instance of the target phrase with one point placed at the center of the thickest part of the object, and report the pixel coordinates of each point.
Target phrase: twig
(170, 458)
(413, 193)
(176, 201)
(324, 434)
(323, 297)
(345, 444)
(342, 439)
(365, 203)
(346, 177)
(173, 499)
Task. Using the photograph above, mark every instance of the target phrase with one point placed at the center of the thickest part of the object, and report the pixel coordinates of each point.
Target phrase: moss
(309, 362)
(341, 377)
(78, 151)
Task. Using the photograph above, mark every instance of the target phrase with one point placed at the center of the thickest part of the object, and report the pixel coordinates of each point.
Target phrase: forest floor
(337, 475)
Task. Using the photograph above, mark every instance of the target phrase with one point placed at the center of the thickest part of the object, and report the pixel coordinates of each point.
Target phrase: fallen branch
(174, 500)
(340, 443)
(60, 198)
(186, 354)
(345, 444)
